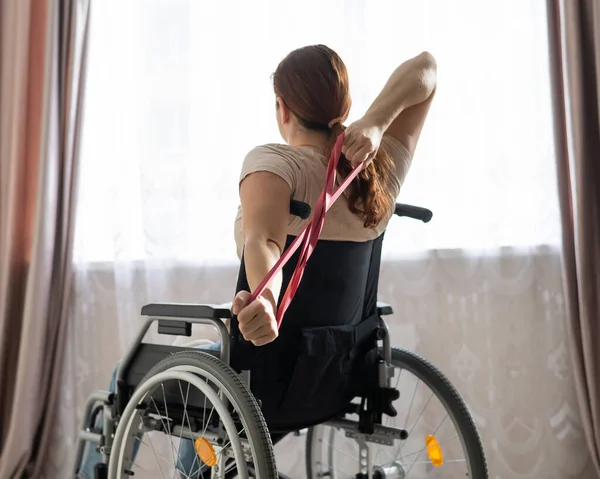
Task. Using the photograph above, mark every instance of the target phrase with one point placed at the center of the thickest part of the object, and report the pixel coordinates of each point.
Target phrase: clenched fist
(256, 319)
(361, 142)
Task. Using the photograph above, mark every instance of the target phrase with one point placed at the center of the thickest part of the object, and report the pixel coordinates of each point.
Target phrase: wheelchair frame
(177, 320)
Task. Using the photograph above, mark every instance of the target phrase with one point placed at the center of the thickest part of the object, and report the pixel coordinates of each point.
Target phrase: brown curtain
(42, 64)
(574, 38)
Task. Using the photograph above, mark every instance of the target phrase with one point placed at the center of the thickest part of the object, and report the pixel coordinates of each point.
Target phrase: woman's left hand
(256, 319)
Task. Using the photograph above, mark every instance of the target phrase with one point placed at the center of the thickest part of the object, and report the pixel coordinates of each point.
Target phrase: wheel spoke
(387, 418)
(228, 443)
(184, 399)
(165, 423)
(146, 470)
(195, 462)
(162, 386)
(445, 441)
(160, 456)
(151, 445)
(425, 447)
(428, 463)
(415, 424)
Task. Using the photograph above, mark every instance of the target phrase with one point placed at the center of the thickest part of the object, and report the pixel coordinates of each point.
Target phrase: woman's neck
(314, 139)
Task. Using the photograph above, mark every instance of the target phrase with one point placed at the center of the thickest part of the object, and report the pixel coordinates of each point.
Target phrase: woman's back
(303, 168)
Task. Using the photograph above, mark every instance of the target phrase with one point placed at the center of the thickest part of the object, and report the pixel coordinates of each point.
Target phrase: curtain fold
(574, 33)
(42, 65)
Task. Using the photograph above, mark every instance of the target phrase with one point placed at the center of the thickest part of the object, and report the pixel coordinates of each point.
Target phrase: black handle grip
(415, 212)
(303, 211)
(300, 209)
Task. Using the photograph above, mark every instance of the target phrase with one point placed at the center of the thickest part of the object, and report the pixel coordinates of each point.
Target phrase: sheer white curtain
(180, 90)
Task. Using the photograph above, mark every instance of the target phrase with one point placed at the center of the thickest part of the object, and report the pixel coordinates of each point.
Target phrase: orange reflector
(205, 451)
(434, 451)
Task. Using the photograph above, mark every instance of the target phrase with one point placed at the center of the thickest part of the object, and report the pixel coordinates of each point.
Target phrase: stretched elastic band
(308, 238)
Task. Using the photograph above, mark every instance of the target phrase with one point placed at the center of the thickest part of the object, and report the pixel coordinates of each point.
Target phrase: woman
(312, 102)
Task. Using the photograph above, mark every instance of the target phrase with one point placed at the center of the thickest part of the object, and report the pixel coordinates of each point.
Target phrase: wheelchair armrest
(384, 309)
(179, 310)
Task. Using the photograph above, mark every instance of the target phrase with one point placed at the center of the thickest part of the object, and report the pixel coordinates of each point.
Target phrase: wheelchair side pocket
(322, 381)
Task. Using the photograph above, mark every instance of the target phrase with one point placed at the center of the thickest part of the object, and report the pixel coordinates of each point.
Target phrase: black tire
(248, 408)
(448, 396)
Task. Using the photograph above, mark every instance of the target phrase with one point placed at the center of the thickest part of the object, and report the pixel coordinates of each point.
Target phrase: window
(179, 91)
(166, 27)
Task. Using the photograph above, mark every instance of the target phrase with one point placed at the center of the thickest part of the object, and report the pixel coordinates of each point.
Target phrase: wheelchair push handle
(300, 209)
(415, 212)
(303, 211)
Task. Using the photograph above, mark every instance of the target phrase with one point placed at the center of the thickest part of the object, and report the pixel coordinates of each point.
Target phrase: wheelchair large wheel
(442, 438)
(192, 417)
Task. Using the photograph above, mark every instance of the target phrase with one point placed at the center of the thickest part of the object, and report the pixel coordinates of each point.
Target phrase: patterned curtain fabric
(42, 66)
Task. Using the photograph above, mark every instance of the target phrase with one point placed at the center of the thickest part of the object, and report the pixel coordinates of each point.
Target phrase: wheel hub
(395, 470)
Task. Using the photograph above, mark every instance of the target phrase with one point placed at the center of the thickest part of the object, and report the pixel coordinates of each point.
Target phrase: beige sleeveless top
(303, 168)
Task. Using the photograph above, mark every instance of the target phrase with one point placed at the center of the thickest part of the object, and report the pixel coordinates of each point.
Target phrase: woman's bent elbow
(427, 72)
(263, 242)
(428, 61)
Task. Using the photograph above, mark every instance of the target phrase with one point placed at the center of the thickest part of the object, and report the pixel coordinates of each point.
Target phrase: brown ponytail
(313, 82)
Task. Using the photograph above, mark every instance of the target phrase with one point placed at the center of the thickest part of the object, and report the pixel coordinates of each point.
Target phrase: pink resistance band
(307, 239)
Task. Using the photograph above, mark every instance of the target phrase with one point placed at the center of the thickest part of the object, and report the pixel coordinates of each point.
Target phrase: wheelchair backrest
(333, 311)
(339, 285)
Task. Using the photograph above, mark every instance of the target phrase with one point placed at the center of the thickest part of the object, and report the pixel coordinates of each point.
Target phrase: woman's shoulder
(276, 151)
(282, 160)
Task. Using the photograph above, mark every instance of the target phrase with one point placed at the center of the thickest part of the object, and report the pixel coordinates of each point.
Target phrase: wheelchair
(368, 410)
